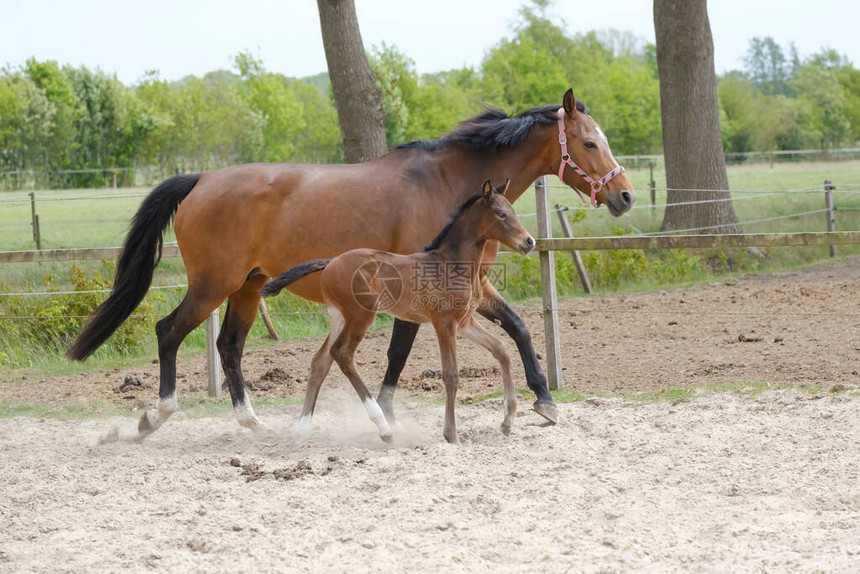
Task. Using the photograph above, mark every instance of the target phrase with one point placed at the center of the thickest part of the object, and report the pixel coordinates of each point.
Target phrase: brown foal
(441, 285)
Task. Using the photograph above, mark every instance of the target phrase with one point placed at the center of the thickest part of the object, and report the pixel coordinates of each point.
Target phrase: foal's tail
(292, 275)
(135, 266)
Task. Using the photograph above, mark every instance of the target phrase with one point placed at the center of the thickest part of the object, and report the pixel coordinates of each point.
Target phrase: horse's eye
(501, 215)
(590, 145)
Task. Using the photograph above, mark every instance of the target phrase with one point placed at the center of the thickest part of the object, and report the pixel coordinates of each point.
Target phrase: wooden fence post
(652, 186)
(264, 313)
(831, 218)
(548, 292)
(37, 233)
(213, 361)
(577, 260)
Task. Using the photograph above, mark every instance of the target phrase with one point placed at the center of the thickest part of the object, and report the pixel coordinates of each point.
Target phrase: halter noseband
(567, 160)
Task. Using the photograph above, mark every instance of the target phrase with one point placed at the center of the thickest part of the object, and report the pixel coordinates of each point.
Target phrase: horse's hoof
(548, 411)
(506, 430)
(144, 425)
(387, 438)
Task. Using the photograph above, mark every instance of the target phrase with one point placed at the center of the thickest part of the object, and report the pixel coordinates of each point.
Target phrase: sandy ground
(722, 482)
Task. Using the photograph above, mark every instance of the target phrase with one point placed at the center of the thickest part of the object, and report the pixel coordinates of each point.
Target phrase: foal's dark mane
(447, 229)
(494, 129)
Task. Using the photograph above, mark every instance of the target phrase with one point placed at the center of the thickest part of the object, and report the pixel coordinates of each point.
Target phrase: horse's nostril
(627, 197)
(530, 242)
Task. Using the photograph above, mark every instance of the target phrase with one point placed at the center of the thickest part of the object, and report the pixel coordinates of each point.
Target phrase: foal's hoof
(547, 411)
(506, 430)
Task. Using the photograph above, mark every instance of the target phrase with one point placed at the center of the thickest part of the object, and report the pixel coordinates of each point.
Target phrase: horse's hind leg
(241, 311)
(474, 332)
(402, 336)
(343, 351)
(171, 331)
(320, 366)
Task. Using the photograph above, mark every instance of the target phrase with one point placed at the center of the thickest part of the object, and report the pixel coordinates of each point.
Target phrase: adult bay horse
(238, 226)
(359, 283)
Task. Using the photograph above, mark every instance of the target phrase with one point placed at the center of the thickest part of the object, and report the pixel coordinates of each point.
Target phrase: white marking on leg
(376, 415)
(303, 427)
(168, 406)
(245, 415)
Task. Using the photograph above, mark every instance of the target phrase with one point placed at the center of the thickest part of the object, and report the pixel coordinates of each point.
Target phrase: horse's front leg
(402, 336)
(446, 333)
(494, 308)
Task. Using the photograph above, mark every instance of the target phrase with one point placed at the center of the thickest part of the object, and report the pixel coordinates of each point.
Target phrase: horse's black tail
(136, 264)
(292, 275)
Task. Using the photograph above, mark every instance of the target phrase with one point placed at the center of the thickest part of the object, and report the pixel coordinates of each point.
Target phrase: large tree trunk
(692, 144)
(356, 96)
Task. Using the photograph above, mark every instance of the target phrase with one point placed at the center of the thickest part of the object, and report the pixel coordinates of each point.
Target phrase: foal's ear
(504, 188)
(488, 189)
(569, 103)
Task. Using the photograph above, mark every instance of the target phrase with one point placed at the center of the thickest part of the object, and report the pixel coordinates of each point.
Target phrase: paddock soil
(763, 480)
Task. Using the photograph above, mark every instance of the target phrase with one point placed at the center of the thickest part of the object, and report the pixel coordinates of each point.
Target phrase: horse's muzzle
(620, 204)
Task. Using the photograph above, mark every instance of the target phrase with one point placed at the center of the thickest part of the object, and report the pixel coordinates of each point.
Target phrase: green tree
(57, 88)
(766, 65)
(396, 80)
(442, 100)
(822, 100)
(26, 123)
(271, 96)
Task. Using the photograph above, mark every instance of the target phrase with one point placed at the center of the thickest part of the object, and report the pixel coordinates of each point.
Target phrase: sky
(182, 37)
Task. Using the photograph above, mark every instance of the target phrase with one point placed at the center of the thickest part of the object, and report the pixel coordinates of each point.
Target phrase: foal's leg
(446, 333)
(241, 311)
(343, 351)
(171, 331)
(402, 336)
(494, 308)
(475, 332)
(320, 365)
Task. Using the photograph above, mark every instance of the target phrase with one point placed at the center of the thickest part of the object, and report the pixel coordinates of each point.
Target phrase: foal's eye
(590, 145)
(501, 215)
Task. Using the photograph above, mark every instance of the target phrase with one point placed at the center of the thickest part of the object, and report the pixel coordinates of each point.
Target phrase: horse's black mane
(445, 230)
(494, 129)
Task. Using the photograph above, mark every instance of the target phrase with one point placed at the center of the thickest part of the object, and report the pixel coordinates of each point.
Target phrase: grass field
(98, 218)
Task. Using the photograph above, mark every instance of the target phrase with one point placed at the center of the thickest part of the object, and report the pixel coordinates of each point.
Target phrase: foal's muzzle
(527, 245)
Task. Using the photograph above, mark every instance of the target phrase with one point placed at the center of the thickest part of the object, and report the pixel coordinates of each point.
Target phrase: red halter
(566, 160)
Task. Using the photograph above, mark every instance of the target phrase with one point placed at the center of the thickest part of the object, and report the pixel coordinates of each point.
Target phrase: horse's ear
(504, 188)
(488, 189)
(569, 102)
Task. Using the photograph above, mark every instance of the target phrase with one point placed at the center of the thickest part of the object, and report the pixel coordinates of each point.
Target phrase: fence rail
(41, 255)
(699, 241)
